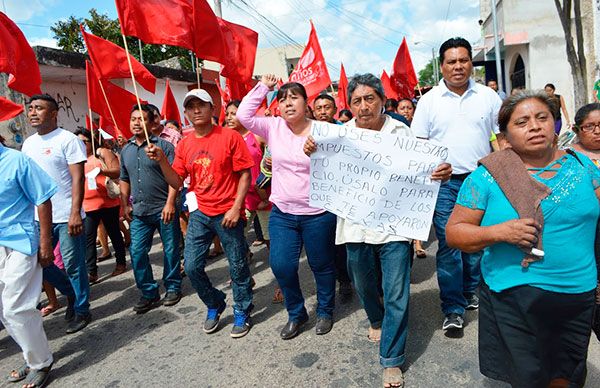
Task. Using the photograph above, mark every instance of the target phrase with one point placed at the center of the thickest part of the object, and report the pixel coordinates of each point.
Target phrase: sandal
(392, 377)
(214, 254)
(18, 374)
(105, 257)
(278, 296)
(421, 253)
(49, 309)
(374, 335)
(38, 377)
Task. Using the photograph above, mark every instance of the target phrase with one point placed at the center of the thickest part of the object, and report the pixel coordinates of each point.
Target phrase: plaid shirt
(170, 135)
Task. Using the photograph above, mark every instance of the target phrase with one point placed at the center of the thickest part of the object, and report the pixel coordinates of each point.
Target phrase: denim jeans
(110, 220)
(142, 233)
(74, 281)
(288, 233)
(458, 272)
(390, 262)
(200, 233)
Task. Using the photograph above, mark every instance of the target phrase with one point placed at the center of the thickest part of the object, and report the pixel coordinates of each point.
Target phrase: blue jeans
(458, 272)
(73, 283)
(288, 233)
(142, 233)
(364, 263)
(200, 233)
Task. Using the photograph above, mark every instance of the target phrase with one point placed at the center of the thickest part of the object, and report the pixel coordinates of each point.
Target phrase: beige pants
(263, 218)
(20, 285)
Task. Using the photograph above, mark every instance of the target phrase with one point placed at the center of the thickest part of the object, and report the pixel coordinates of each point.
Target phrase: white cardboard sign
(378, 180)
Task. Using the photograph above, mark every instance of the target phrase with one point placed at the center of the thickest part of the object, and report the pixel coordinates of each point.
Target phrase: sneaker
(212, 319)
(78, 323)
(472, 301)
(453, 321)
(144, 305)
(171, 298)
(70, 311)
(241, 324)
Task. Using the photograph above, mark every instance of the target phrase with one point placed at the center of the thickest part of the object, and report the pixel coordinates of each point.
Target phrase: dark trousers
(110, 219)
(341, 264)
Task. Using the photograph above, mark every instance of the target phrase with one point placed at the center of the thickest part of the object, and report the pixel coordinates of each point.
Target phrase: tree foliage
(426, 75)
(69, 38)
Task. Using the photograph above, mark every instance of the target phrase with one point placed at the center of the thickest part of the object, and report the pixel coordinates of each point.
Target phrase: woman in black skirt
(524, 206)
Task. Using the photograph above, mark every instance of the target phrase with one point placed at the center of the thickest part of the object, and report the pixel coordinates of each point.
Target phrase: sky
(363, 34)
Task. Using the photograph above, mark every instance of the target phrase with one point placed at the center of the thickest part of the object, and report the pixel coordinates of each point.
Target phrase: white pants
(20, 286)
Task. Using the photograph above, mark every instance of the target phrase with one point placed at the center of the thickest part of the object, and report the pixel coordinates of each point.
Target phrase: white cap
(197, 93)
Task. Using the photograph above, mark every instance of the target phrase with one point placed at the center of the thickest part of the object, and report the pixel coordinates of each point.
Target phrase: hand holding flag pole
(137, 97)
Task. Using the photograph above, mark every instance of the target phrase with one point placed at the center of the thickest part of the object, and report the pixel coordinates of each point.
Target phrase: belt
(460, 177)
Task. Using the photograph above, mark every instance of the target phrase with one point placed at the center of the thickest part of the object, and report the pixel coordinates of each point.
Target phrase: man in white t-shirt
(62, 155)
(461, 115)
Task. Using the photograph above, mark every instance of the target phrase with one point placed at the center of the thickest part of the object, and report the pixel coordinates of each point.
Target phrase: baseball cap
(197, 93)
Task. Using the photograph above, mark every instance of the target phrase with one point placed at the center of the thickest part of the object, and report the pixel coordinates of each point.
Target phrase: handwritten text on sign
(379, 180)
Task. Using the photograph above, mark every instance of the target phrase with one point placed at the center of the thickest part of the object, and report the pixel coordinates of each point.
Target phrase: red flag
(240, 51)
(387, 86)
(404, 79)
(18, 59)
(237, 90)
(209, 42)
(342, 98)
(311, 70)
(168, 22)
(9, 109)
(110, 62)
(225, 98)
(169, 109)
(120, 101)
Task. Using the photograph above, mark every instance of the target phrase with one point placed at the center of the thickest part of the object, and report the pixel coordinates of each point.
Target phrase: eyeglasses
(589, 127)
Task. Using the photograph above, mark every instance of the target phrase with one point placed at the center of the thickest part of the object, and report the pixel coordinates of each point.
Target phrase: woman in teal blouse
(535, 319)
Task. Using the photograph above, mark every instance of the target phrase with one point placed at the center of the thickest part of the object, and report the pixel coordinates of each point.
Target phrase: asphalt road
(167, 348)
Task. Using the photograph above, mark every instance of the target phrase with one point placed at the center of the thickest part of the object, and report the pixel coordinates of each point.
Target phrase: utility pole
(436, 75)
(497, 48)
(140, 48)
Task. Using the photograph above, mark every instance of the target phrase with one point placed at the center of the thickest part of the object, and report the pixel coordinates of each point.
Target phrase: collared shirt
(149, 189)
(461, 123)
(23, 185)
(348, 232)
(398, 117)
(171, 135)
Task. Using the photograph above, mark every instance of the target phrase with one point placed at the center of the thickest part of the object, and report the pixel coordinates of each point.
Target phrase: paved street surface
(166, 347)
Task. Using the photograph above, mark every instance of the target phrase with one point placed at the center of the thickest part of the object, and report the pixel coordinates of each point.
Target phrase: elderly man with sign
(373, 255)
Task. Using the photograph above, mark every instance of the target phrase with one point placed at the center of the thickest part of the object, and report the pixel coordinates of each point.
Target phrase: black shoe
(323, 325)
(70, 311)
(453, 321)
(292, 329)
(145, 305)
(78, 323)
(171, 298)
(472, 301)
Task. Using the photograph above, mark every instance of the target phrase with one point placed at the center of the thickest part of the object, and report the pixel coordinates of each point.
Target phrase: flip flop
(421, 253)
(373, 338)
(277, 297)
(47, 310)
(38, 377)
(105, 257)
(214, 254)
(20, 372)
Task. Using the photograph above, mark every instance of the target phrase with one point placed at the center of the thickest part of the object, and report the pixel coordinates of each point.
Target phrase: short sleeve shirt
(54, 152)
(213, 162)
(149, 189)
(23, 185)
(464, 123)
(570, 215)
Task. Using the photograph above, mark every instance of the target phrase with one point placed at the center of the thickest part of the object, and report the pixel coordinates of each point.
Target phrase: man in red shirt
(218, 163)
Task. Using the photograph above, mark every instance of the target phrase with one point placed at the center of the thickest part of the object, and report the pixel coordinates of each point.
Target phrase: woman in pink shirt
(293, 222)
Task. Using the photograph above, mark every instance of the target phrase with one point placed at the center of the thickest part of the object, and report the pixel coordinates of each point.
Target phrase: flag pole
(112, 116)
(198, 73)
(137, 97)
(92, 132)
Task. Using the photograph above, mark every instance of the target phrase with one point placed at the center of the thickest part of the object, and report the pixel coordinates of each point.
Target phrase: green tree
(426, 76)
(69, 39)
